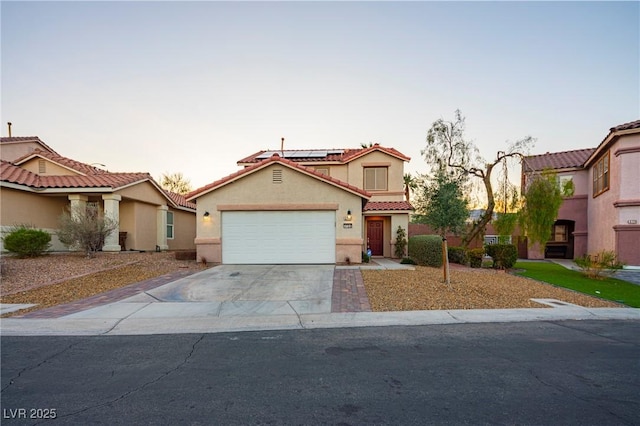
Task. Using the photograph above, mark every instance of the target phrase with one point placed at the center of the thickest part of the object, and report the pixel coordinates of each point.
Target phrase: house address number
(347, 225)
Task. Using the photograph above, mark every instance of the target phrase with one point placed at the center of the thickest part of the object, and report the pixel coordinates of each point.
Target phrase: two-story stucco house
(304, 206)
(37, 185)
(603, 213)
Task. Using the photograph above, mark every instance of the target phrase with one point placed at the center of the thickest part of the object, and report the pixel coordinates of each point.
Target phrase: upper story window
(170, 225)
(601, 175)
(375, 178)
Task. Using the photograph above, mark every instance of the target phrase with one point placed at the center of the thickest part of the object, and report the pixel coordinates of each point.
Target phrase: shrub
(458, 255)
(475, 257)
(26, 241)
(594, 265)
(365, 257)
(426, 250)
(504, 256)
(85, 228)
(407, 261)
(401, 242)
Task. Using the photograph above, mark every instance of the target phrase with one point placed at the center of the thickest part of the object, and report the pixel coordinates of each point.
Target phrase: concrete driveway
(230, 290)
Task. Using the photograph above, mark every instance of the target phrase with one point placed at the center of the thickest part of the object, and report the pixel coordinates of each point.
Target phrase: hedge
(426, 250)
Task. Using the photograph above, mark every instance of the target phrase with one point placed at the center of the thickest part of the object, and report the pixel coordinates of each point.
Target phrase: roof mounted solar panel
(335, 151)
(317, 154)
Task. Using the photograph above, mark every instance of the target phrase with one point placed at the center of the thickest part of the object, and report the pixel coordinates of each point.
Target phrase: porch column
(161, 233)
(78, 203)
(112, 210)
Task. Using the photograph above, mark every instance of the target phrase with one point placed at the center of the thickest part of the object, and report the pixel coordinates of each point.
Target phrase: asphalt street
(538, 373)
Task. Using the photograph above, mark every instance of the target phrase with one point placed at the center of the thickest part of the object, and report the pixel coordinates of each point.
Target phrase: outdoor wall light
(349, 217)
(207, 216)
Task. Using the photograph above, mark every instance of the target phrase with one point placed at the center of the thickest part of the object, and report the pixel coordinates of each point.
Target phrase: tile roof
(18, 139)
(89, 177)
(13, 174)
(626, 126)
(276, 159)
(77, 166)
(557, 160)
(180, 199)
(387, 205)
(345, 155)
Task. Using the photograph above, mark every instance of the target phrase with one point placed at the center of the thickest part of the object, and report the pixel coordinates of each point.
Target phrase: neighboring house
(38, 185)
(304, 206)
(603, 213)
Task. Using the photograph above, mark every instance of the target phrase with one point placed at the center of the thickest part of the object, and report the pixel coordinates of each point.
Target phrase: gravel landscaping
(424, 289)
(65, 277)
(61, 278)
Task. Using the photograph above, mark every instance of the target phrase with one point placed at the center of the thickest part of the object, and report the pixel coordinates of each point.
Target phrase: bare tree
(447, 146)
(175, 182)
(85, 228)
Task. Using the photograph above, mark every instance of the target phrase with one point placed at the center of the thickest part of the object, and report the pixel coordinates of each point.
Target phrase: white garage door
(278, 237)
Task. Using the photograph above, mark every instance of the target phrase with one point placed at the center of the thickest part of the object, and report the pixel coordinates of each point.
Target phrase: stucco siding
(51, 169)
(21, 207)
(13, 151)
(184, 230)
(144, 192)
(258, 191)
(395, 181)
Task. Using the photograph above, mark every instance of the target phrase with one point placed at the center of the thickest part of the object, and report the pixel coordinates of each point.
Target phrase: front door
(375, 237)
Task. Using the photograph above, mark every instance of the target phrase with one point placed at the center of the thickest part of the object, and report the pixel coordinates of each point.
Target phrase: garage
(278, 237)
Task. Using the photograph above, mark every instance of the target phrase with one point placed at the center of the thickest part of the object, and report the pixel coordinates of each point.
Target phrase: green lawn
(607, 288)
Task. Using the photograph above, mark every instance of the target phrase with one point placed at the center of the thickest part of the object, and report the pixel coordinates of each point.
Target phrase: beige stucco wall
(395, 190)
(297, 191)
(20, 207)
(184, 230)
(144, 192)
(51, 169)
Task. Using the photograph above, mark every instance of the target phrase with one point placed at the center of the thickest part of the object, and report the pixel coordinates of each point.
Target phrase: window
(170, 225)
(323, 170)
(560, 234)
(375, 179)
(601, 175)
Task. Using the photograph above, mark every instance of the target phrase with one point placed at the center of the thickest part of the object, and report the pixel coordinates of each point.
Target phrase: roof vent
(277, 176)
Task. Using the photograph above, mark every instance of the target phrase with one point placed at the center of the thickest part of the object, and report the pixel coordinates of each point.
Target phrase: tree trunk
(479, 227)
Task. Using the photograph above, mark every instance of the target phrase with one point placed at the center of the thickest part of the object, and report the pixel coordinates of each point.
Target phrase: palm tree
(410, 183)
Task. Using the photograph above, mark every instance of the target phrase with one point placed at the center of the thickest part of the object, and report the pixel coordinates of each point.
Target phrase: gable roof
(67, 163)
(87, 177)
(613, 135)
(275, 158)
(22, 139)
(337, 156)
(557, 160)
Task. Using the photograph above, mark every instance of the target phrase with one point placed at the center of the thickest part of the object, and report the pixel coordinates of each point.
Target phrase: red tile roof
(77, 166)
(14, 174)
(557, 160)
(89, 177)
(180, 200)
(387, 205)
(346, 155)
(276, 159)
(626, 126)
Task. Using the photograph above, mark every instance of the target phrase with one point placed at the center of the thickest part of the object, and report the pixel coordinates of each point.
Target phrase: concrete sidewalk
(174, 315)
(206, 324)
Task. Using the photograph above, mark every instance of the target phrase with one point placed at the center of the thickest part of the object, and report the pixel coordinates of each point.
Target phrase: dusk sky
(193, 87)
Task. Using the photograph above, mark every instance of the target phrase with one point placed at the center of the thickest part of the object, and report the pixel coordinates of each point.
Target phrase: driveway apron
(230, 290)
